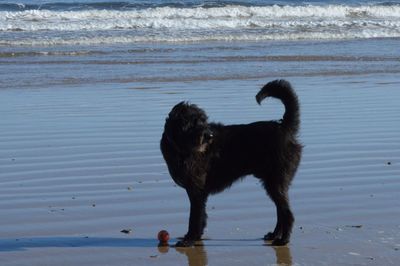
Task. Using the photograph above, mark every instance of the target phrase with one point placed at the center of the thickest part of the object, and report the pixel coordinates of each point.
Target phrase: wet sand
(80, 164)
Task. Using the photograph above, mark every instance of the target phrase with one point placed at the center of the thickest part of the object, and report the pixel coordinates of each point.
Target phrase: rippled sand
(78, 165)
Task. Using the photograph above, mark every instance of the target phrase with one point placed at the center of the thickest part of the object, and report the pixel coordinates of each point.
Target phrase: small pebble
(354, 226)
(126, 231)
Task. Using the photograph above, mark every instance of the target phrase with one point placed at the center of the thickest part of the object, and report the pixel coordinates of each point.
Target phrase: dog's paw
(184, 243)
(269, 237)
(279, 242)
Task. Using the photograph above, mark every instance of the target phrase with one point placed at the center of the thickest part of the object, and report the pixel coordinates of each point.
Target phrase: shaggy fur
(206, 158)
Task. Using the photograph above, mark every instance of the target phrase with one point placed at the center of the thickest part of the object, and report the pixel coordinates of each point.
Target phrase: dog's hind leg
(197, 218)
(279, 194)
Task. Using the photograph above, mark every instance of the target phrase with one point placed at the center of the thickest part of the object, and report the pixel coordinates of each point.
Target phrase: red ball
(163, 236)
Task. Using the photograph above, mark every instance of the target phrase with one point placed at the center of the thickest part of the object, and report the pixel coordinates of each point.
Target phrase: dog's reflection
(283, 255)
(197, 255)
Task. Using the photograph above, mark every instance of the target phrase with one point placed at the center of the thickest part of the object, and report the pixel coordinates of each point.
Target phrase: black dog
(206, 158)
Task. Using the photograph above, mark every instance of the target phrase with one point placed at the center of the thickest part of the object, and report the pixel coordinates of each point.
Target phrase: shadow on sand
(43, 242)
(196, 256)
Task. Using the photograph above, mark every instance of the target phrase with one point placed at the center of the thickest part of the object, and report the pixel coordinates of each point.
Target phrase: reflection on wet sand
(283, 255)
(197, 255)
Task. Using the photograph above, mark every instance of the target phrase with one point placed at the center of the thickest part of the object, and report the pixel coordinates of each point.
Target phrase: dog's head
(187, 129)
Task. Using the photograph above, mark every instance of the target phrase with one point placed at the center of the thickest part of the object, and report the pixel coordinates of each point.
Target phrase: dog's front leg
(197, 219)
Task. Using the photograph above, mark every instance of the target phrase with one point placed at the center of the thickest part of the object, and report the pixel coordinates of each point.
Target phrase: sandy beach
(80, 164)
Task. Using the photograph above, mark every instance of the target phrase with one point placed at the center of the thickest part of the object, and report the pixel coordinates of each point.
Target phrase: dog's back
(250, 147)
(259, 149)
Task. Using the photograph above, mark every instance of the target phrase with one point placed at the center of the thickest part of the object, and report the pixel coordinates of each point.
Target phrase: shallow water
(131, 65)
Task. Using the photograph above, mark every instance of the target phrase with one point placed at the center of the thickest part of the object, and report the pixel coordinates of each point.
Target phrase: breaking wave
(123, 23)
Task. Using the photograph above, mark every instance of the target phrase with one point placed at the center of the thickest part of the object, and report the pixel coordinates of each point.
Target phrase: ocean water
(89, 42)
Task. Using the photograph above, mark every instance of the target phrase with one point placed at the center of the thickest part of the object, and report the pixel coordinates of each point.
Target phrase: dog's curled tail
(281, 89)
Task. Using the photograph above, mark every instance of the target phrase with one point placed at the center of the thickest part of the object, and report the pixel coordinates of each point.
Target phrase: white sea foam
(222, 37)
(198, 23)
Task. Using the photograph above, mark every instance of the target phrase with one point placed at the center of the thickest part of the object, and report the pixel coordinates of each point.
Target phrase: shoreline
(161, 65)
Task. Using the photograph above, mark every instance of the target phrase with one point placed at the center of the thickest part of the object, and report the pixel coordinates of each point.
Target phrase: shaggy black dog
(206, 158)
